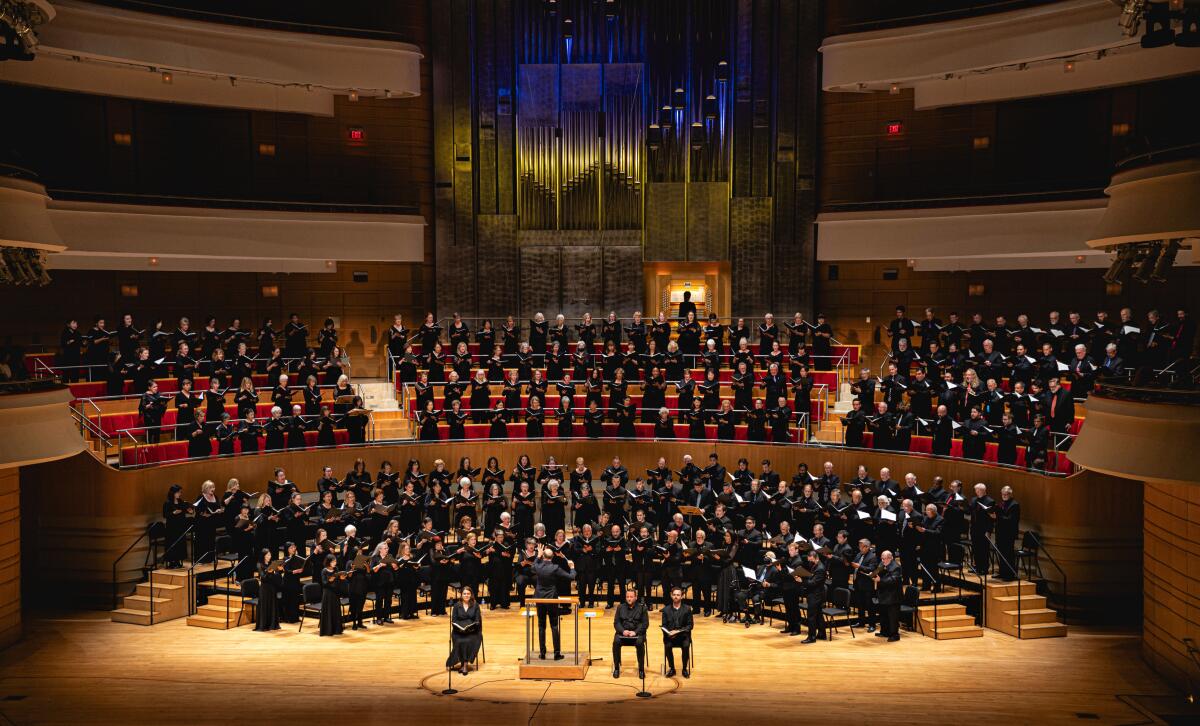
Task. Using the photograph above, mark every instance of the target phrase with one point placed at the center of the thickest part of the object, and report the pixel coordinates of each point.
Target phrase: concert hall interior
(599, 361)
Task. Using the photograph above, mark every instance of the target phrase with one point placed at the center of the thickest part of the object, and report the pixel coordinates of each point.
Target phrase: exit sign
(356, 135)
(895, 128)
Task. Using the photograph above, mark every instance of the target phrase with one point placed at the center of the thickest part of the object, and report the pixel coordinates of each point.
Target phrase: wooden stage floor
(81, 668)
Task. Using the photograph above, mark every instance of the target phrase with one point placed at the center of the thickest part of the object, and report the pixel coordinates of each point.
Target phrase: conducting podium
(574, 664)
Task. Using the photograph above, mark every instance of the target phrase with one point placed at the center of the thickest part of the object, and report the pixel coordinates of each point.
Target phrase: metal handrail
(228, 575)
(1015, 571)
(120, 557)
(191, 575)
(937, 590)
(1066, 607)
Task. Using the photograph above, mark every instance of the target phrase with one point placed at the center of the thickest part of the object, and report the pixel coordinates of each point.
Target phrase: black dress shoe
(559, 656)
(808, 640)
(893, 639)
(616, 671)
(543, 655)
(641, 673)
(687, 673)
(794, 632)
(870, 628)
(881, 634)
(670, 673)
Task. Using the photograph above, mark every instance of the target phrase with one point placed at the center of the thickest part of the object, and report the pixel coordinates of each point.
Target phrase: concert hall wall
(87, 513)
(1049, 147)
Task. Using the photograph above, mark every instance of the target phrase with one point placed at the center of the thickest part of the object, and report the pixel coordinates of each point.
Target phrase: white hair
(351, 530)
(276, 410)
(464, 480)
(1081, 346)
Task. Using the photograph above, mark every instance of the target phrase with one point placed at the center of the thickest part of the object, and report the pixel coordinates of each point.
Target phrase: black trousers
(702, 593)
(383, 599)
(357, 601)
(866, 609)
(816, 618)
(638, 643)
(791, 610)
(684, 644)
(1006, 545)
(551, 613)
(587, 588)
(981, 552)
(889, 620)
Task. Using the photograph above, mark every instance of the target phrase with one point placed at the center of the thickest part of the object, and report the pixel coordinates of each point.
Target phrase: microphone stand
(450, 690)
(645, 657)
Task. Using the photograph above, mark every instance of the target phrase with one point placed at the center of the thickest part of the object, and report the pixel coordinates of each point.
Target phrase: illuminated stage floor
(81, 668)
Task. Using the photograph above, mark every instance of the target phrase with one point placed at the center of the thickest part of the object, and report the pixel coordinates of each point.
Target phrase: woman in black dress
(523, 507)
(456, 419)
(725, 419)
(437, 505)
(585, 509)
(270, 582)
(654, 396)
(466, 631)
(625, 414)
(208, 518)
(494, 503)
(427, 419)
(294, 567)
(535, 417)
(498, 431)
(325, 426)
(175, 515)
(312, 397)
(481, 397)
(664, 425)
(695, 421)
(554, 500)
(565, 413)
(406, 581)
(382, 570)
(331, 599)
(470, 566)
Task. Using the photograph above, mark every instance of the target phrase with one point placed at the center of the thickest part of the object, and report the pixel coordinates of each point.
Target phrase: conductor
(546, 575)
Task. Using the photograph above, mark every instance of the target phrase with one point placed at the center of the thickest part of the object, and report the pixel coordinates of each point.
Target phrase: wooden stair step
(1043, 630)
(135, 617)
(1034, 616)
(204, 621)
(948, 620)
(957, 632)
(1026, 602)
(947, 609)
(143, 603)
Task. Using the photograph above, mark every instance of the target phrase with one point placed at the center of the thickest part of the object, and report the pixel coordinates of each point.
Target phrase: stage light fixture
(1147, 258)
(1166, 260)
(1118, 271)
(353, 96)
(895, 89)
(1069, 66)
(167, 77)
(1131, 17)
(1159, 32)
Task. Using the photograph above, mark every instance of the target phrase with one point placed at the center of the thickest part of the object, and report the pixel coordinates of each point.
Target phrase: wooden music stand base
(559, 670)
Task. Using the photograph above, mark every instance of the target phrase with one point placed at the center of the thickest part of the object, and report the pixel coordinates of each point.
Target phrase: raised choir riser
(951, 623)
(1025, 615)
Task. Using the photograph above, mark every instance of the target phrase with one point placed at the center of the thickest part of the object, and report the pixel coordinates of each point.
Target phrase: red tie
(1053, 404)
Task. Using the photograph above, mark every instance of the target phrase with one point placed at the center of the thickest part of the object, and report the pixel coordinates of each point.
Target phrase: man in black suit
(1059, 406)
(677, 619)
(887, 592)
(547, 573)
(863, 565)
(630, 623)
(814, 591)
(687, 306)
(983, 518)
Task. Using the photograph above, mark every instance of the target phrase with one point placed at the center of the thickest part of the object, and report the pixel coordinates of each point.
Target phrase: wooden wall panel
(1172, 579)
(10, 556)
(87, 513)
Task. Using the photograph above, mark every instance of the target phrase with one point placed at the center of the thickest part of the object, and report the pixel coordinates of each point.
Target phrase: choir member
(630, 623)
(677, 624)
(466, 631)
(331, 601)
